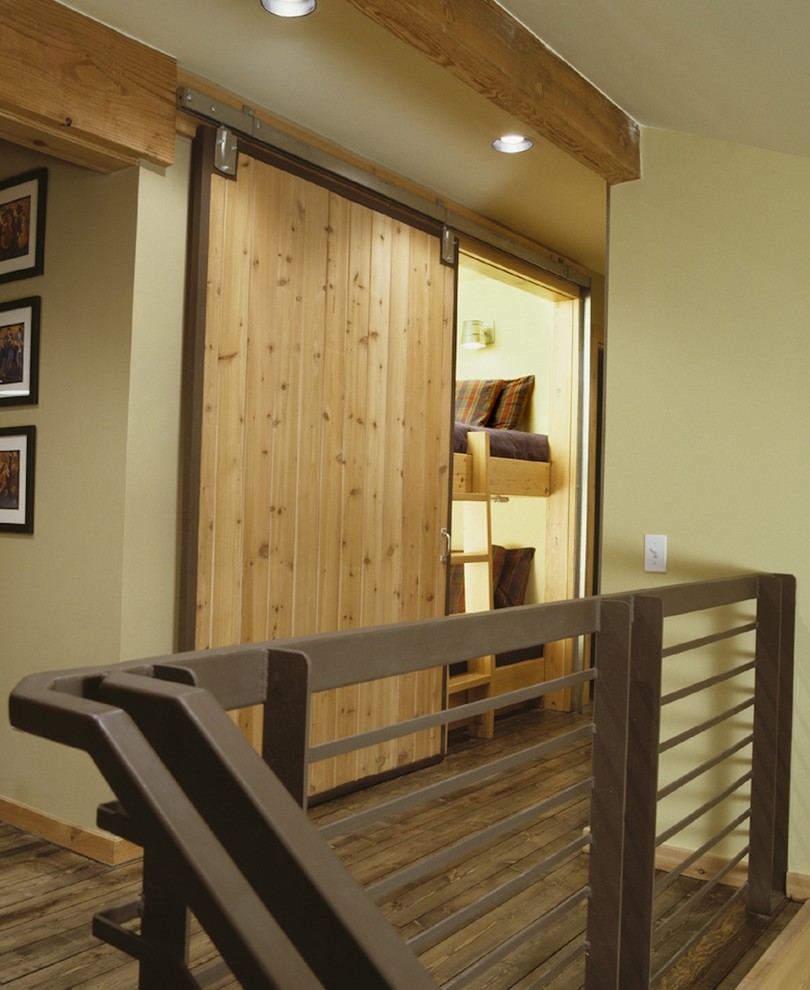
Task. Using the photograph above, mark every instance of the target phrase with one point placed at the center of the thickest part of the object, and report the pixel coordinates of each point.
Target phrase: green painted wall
(707, 392)
(95, 582)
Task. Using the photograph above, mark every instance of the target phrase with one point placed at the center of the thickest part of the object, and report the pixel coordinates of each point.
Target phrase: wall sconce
(289, 8)
(476, 334)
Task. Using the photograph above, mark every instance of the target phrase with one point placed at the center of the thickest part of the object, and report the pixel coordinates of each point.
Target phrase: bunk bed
(518, 463)
(491, 458)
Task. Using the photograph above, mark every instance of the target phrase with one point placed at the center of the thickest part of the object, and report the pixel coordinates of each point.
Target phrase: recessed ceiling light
(511, 144)
(289, 8)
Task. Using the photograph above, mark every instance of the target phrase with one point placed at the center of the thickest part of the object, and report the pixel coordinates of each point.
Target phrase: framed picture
(17, 479)
(19, 352)
(22, 225)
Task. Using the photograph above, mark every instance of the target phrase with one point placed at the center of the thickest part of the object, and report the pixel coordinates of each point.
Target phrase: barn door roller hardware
(225, 151)
(449, 246)
(230, 121)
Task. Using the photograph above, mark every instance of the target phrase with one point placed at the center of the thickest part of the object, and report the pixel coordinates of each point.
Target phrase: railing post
(164, 926)
(766, 876)
(608, 798)
(642, 788)
(285, 731)
(784, 729)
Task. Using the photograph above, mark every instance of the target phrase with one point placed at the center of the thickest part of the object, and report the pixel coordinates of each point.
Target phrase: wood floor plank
(683, 974)
(488, 933)
(417, 835)
(736, 956)
(471, 809)
(682, 933)
(412, 909)
(41, 878)
(100, 966)
(60, 902)
(524, 967)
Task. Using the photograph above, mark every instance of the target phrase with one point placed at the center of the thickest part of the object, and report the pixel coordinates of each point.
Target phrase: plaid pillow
(455, 605)
(511, 404)
(510, 587)
(475, 400)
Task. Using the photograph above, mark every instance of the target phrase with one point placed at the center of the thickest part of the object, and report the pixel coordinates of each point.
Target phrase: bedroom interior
(523, 325)
(528, 370)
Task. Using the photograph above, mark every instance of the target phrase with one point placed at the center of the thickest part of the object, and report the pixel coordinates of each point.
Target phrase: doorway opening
(537, 335)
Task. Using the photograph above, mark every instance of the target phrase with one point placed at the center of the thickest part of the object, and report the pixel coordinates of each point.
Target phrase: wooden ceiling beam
(80, 91)
(483, 46)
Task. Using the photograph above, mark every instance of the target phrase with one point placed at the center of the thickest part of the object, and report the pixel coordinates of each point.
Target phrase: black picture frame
(17, 457)
(19, 351)
(22, 225)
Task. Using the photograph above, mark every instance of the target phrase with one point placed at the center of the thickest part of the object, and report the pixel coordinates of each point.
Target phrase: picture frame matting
(17, 454)
(19, 351)
(22, 225)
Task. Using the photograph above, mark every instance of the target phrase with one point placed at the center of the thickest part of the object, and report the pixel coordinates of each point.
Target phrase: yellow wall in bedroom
(523, 338)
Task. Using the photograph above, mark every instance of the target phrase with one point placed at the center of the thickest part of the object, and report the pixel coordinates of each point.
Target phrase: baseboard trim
(94, 843)
(668, 858)
(798, 886)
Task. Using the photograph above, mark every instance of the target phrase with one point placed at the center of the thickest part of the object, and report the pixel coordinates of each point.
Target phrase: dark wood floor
(47, 895)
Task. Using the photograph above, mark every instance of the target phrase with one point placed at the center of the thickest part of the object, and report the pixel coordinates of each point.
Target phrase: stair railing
(226, 834)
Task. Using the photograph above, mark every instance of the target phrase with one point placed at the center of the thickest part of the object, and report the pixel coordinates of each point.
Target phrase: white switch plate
(655, 553)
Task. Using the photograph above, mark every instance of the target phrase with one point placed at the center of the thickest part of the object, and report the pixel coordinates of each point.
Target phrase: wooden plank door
(325, 438)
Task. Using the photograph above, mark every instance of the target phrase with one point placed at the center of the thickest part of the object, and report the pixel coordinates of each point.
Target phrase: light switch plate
(655, 553)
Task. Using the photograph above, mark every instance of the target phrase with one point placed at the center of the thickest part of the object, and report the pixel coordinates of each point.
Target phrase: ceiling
(730, 69)
(735, 70)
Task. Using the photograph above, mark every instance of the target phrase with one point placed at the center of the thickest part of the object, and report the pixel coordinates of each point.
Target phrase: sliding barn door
(324, 463)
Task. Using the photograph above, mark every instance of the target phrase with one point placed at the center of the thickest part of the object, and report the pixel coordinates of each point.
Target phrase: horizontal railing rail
(205, 805)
